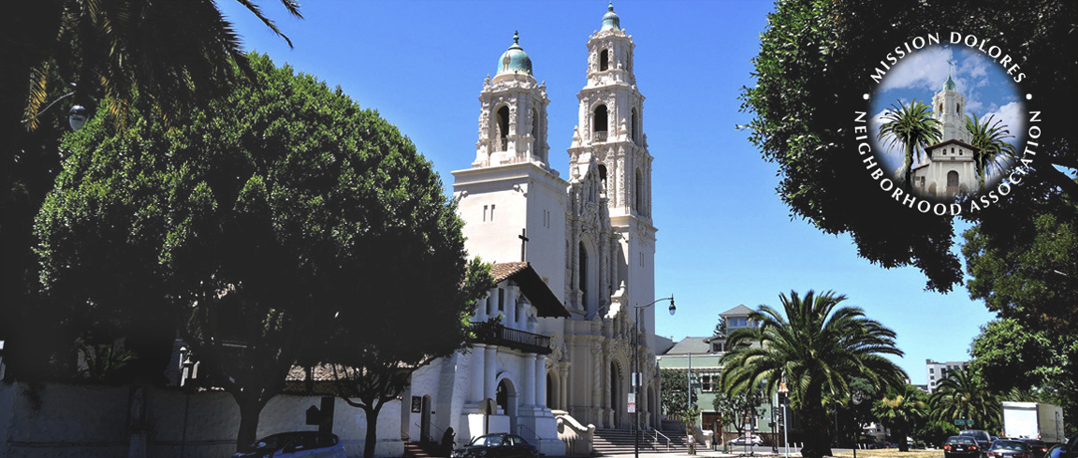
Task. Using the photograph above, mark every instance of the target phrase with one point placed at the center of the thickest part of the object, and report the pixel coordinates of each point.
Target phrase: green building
(698, 358)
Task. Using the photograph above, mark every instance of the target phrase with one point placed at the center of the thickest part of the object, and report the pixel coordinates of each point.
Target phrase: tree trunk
(249, 412)
(903, 445)
(818, 437)
(371, 439)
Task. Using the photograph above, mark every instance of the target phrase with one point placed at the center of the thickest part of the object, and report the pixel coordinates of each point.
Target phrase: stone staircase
(620, 442)
(422, 450)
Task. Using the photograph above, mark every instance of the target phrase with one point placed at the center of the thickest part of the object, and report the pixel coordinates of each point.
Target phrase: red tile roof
(544, 300)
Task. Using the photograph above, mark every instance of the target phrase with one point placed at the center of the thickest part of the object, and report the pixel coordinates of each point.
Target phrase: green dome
(610, 19)
(949, 84)
(515, 59)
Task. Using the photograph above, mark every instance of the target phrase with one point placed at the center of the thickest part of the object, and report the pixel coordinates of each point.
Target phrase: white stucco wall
(59, 420)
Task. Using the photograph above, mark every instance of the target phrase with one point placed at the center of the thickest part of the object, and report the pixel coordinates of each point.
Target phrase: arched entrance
(617, 398)
(506, 397)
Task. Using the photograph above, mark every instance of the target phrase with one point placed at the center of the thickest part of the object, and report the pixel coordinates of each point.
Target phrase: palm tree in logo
(990, 137)
(911, 125)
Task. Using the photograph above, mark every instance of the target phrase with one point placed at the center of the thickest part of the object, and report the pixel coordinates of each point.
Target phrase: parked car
(1070, 450)
(961, 447)
(1037, 447)
(981, 436)
(748, 440)
(305, 444)
(1009, 449)
(497, 446)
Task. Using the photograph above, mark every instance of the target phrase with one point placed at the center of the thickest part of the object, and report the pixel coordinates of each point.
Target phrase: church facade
(574, 261)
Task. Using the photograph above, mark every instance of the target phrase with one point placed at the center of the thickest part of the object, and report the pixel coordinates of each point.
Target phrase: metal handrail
(432, 437)
(655, 436)
(521, 428)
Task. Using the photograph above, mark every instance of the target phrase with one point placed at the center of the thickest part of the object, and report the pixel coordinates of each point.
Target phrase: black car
(961, 447)
(501, 445)
(1069, 450)
(1037, 447)
(1009, 449)
(298, 444)
(984, 440)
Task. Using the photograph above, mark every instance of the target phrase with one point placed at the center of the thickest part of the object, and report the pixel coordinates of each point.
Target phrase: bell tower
(610, 132)
(950, 110)
(512, 119)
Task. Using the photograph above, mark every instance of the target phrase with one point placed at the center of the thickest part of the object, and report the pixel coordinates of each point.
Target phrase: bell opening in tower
(604, 60)
(502, 137)
(600, 124)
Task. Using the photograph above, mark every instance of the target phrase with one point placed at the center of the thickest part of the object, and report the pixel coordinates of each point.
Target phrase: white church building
(950, 169)
(573, 257)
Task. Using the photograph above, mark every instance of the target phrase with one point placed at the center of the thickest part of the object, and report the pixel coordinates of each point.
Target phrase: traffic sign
(963, 422)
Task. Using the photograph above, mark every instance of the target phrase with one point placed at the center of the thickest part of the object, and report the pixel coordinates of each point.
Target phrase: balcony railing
(497, 334)
(599, 136)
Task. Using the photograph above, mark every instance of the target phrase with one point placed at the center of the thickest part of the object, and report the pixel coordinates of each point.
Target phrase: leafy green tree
(818, 348)
(936, 432)
(1007, 356)
(372, 364)
(674, 396)
(1027, 272)
(914, 127)
(991, 138)
(813, 66)
(902, 410)
(963, 396)
(257, 228)
(172, 54)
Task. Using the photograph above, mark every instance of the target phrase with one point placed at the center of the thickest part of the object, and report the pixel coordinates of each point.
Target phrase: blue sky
(989, 91)
(724, 237)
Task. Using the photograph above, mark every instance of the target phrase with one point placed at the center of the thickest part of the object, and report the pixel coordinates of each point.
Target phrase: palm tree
(962, 395)
(173, 53)
(911, 125)
(817, 347)
(990, 138)
(901, 410)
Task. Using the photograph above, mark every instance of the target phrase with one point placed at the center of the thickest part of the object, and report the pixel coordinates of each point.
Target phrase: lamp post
(636, 378)
(782, 399)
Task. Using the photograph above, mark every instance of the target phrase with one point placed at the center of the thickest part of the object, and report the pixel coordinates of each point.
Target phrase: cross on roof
(523, 243)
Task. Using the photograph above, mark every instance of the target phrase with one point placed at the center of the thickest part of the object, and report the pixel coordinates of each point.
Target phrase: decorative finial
(516, 37)
(611, 7)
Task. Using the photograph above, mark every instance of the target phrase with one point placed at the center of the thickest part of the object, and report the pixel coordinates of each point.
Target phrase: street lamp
(782, 399)
(636, 367)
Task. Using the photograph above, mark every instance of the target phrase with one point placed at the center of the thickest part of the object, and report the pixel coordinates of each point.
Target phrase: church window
(958, 108)
(502, 133)
(599, 125)
(602, 177)
(941, 108)
(485, 208)
(604, 60)
(501, 300)
(583, 275)
(535, 132)
(492, 213)
(639, 192)
(634, 128)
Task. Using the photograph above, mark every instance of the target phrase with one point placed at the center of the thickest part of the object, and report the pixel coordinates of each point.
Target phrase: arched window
(535, 127)
(958, 108)
(501, 142)
(599, 126)
(583, 276)
(639, 192)
(634, 129)
(602, 177)
(604, 60)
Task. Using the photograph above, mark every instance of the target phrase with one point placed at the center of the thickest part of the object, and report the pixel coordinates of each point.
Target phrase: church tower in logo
(950, 169)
